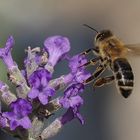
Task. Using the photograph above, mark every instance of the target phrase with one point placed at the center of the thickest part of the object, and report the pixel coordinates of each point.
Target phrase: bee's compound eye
(104, 34)
(95, 39)
(99, 36)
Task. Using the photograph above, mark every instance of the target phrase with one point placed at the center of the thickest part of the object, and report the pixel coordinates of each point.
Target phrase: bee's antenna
(90, 28)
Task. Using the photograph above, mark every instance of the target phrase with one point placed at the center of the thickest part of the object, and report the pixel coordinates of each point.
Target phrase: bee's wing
(133, 49)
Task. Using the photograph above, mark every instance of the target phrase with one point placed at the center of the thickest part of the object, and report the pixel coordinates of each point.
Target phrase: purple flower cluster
(39, 86)
(72, 101)
(18, 116)
(35, 84)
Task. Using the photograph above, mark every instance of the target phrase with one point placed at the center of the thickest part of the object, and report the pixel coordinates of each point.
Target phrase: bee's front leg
(91, 62)
(99, 70)
(94, 50)
(104, 81)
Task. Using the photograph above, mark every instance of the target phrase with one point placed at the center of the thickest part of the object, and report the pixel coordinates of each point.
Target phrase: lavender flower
(79, 73)
(71, 114)
(5, 53)
(39, 83)
(39, 78)
(74, 90)
(35, 83)
(76, 61)
(57, 47)
(21, 108)
(14, 74)
(72, 101)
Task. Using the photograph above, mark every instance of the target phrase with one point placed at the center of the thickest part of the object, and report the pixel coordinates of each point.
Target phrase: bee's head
(104, 34)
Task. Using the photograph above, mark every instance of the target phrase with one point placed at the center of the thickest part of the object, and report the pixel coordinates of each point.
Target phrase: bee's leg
(103, 81)
(94, 50)
(92, 62)
(86, 51)
(99, 70)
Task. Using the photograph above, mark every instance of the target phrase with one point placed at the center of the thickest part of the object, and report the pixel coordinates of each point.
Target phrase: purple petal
(14, 124)
(73, 90)
(43, 98)
(68, 116)
(33, 93)
(49, 91)
(44, 81)
(9, 115)
(68, 78)
(80, 118)
(25, 122)
(5, 53)
(76, 101)
(79, 73)
(21, 107)
(9, 44)
(57, 47)
(39, 78)
(34, 80)
(76, 61)
(45, 95)
(71, 102)
(64, 102)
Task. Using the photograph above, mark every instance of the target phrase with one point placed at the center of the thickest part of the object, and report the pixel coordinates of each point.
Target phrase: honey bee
(111, 53)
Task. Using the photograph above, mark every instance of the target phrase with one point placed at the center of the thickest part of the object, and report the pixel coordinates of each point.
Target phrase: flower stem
(18, 79)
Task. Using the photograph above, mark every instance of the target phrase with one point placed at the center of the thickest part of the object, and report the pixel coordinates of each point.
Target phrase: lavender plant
(34, 102)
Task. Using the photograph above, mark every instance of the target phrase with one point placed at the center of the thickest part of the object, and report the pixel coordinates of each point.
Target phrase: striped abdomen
(124, 76)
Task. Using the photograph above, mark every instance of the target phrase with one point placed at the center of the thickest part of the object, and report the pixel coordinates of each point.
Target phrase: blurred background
(108, 115)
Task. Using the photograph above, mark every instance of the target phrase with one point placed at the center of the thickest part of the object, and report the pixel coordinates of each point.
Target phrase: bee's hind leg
(103, 81)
